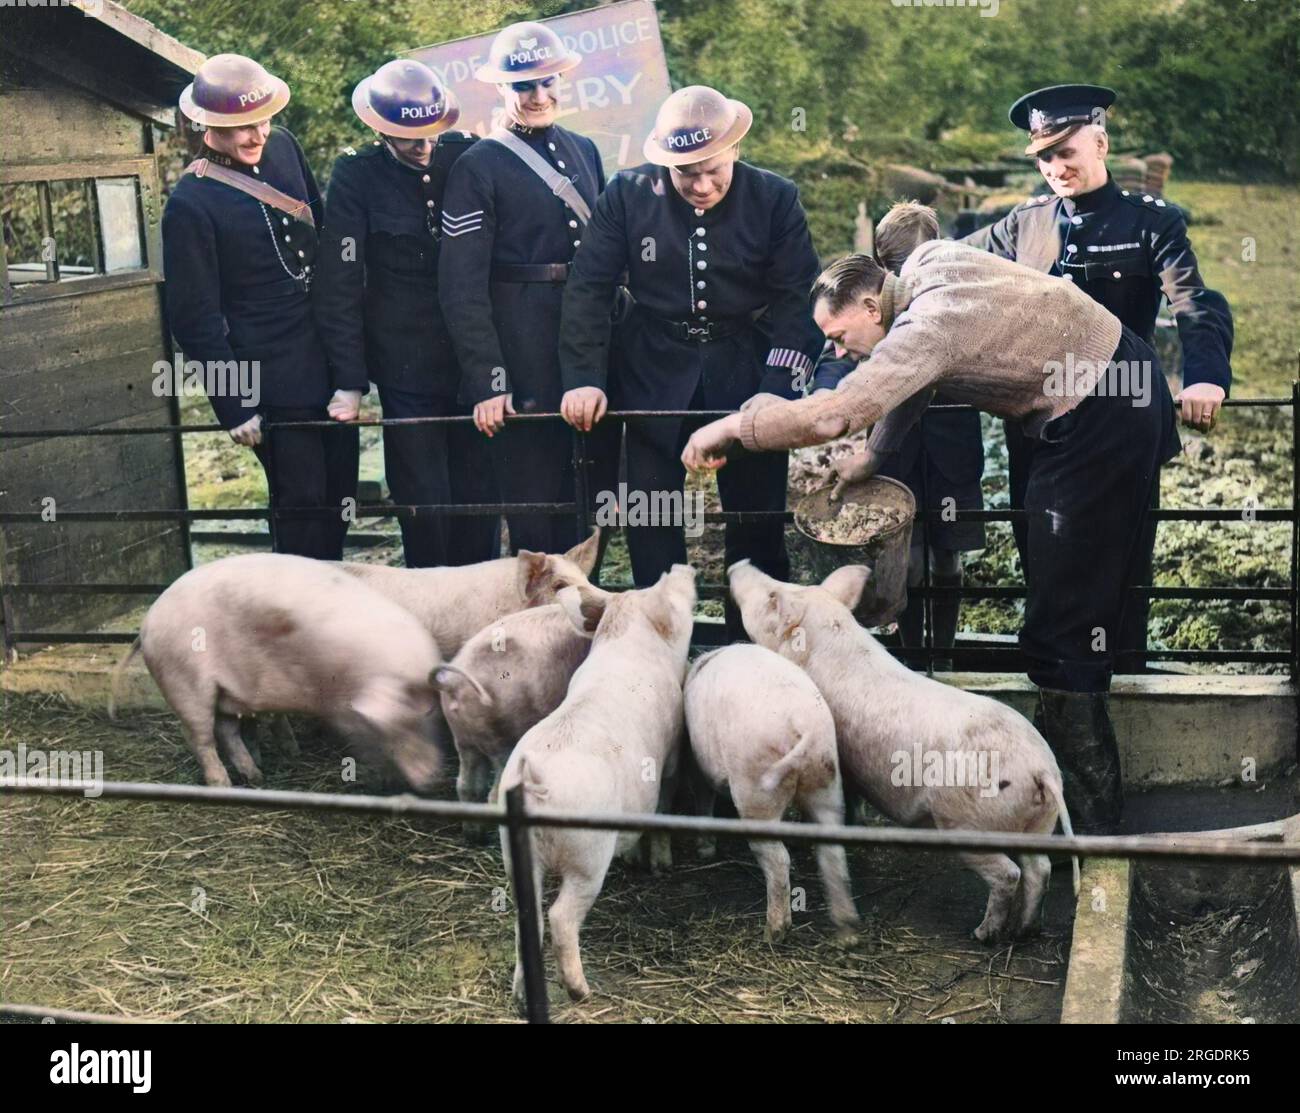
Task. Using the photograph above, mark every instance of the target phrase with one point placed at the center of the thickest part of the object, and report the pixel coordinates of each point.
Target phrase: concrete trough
(1184, 942)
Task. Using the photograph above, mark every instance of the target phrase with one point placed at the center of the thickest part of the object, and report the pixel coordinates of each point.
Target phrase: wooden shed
(82, 88)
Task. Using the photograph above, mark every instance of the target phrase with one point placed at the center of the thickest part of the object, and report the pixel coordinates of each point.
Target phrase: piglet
(507, 678)
(922, 752)
(611, 746)
(759, 728)
(273, 632)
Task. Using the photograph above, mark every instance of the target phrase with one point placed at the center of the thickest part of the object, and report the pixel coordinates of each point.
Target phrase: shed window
(72, 228)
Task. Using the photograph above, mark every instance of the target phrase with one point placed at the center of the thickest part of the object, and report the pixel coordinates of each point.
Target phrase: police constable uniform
(238, 271)
(1124, 248)
(376, 297)
(721, 313)
(507, 243)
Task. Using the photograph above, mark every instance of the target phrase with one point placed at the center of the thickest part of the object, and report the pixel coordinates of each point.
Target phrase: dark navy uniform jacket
(1123, 249)
(748, 261)
(496, 211)
(231, 293)
(376, 285)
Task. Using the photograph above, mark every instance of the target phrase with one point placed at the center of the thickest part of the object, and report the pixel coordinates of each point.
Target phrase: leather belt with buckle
(702, 332)
(530, 272)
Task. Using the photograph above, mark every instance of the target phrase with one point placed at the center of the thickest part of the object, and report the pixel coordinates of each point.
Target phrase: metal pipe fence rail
(517, 819)
(984, 656)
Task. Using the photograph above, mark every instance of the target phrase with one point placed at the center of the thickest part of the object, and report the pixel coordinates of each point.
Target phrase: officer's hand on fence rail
(490, 416)
(584, 406)
(1200, 404)
(345, 405)
(706, 450)
(854, 469)
(250, 433)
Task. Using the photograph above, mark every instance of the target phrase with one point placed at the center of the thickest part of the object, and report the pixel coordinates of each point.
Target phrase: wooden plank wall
(82, 361)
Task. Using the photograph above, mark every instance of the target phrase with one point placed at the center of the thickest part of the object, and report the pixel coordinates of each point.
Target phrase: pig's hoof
(1030, 931)
(255, 778)
(579, 991)
(846, 935)
(775, 935)
(988, 934)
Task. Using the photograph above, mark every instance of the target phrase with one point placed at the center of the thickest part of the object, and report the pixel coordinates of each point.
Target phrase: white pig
(922, 752)
(455, 603)
(611, 746)
(759, 727)
(507, 678)
(273, 632)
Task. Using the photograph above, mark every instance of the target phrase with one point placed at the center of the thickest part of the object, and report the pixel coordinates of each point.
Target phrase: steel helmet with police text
(404, 98)
(694, 124)
(231, 91)
(526, 52)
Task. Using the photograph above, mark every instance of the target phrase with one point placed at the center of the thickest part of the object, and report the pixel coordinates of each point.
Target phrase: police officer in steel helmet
(720, 263)
(508, 240)
(377, 309)
(1125, 249)
(239, 247)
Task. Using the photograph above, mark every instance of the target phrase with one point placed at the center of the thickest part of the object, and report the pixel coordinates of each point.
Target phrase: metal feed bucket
(886, 553)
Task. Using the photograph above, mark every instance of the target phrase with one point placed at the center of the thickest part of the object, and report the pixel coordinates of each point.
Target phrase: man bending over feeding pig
(1021, 345)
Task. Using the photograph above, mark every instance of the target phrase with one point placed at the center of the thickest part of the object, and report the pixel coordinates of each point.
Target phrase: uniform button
(701, 305)
(699, 231)
(1147, 198)
(285, 221)
(1160, 203)
(1076, 220)
(1124, 192)
(1071, 248)
(573, 224)
(257, 170)
(302, 255)
(560, 163)
(701, 265)
(702, 246)
(1115, 274)
(286, 239)
(576, 243)
(424, 178)
(551, 146)
(430, 204)
(701, 284)
(1068, 277)
(699, 212)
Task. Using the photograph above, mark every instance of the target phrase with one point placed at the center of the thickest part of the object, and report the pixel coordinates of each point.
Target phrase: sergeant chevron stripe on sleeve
(453, 225)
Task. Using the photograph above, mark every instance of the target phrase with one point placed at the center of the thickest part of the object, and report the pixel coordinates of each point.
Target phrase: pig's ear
(848, 583)
(379, 701)
(532, 575)
(585, 606)
(584, 555)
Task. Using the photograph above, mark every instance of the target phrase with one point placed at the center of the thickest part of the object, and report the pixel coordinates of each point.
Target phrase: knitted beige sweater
(990, 332)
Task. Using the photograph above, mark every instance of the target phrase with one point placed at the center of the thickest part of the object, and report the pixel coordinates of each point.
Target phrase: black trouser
(754, 481)
(309, 468)
(533, 462)
(438, 463)
(1087, 497)
(1132, 637)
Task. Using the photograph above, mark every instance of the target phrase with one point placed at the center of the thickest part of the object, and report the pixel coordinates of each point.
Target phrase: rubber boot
(1077, 727)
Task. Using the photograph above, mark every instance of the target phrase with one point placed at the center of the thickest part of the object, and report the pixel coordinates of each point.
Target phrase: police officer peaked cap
(404, 98)
(231, 91)
(694, 124)
(526, 52)
(1053, 114)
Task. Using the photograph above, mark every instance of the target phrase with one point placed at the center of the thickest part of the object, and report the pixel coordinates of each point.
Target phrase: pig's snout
(419, 763)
